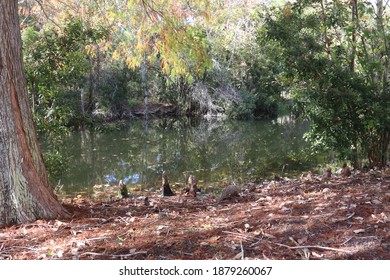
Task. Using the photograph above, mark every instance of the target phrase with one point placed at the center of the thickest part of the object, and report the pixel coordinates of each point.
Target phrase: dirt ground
(307, 218)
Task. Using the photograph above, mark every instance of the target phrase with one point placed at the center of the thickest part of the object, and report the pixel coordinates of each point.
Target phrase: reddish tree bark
(25, 192)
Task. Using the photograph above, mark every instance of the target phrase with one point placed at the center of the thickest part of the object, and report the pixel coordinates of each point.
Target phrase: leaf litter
(309, 218)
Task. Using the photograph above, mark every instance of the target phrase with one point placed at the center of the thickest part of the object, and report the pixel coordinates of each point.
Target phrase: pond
(216, 152)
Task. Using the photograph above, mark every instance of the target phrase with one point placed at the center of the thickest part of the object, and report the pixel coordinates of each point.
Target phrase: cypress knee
(165, 189)
(123, 189)
(192, 185)
(345, 171)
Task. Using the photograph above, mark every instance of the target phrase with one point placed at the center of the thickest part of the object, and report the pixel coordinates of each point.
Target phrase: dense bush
(337, 72)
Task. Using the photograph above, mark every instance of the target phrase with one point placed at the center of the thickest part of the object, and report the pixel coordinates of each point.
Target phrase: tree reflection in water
(216, 152)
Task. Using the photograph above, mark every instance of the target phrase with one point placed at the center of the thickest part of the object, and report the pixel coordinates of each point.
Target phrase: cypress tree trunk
(25, 193)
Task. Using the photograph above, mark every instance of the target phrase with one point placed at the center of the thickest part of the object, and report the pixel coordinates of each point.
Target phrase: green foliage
(120, 88)
(243, 108)
(56, 163)
(335, 71)
(56, 62)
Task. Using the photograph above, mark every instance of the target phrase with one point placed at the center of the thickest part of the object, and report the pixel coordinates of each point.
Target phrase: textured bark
(25, 193)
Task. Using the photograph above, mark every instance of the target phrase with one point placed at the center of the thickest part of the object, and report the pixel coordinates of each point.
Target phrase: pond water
(216, 152)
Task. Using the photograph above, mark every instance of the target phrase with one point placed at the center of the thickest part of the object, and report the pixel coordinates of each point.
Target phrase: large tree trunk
(25, 193)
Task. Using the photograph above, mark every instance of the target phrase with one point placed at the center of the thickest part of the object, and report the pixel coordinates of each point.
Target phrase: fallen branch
(114, 256)
(129, 255)
(92, 254)
(314, 247)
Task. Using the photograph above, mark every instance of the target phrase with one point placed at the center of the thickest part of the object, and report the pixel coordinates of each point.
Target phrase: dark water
(217, 152)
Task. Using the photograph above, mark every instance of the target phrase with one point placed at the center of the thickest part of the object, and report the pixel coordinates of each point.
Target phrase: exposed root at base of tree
(310, 218)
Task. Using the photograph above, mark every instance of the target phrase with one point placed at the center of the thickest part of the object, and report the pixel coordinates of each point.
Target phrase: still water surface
(217, 152)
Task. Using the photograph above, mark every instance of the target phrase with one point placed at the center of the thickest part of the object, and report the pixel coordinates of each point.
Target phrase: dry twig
(314, 247)
(129, 255)
(242, 250)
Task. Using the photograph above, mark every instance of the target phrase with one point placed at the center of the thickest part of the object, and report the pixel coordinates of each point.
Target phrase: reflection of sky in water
(112, 179)
(128, 175)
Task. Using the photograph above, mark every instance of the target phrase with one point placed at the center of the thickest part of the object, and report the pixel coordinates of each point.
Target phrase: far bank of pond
(216, 152)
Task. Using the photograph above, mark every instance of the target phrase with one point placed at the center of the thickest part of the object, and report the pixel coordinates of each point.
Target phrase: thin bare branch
(46, 15)
(314, 247)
